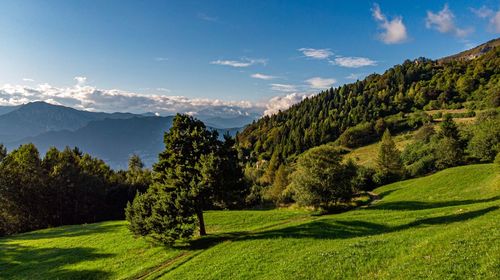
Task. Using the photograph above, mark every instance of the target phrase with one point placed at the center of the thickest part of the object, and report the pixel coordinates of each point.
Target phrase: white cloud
(262, 76)
(316, 53)
(80, 81)
(394, 31)
(320, 83)
(283, 87)
(487, 13)
(163, 89)
(444, 22)
(483, 12)
(353, 62)
(112, 100)
(206, 17)
(495, 22)
(275, 104)
(160, 59)
(28, 80)
(244, 62)
(354, 76)
(90, 98)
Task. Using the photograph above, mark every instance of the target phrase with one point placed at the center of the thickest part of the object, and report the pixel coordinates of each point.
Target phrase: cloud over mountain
(90, 98)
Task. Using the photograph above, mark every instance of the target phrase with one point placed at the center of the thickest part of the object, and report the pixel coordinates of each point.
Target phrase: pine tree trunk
(202, 223)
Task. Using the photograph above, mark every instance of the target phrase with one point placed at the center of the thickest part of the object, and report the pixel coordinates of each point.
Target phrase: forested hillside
(421, 84)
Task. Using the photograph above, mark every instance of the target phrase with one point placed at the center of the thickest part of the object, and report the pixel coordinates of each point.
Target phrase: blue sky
(242, 53)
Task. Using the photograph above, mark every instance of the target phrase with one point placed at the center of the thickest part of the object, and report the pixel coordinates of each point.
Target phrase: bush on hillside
(358, 135)
(321, 180)
(485, 142)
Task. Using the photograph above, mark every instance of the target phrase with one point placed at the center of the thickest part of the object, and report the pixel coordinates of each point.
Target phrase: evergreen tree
(184, 181)
(389, 164)
(23, 196)
(3, 152)
(449, 127)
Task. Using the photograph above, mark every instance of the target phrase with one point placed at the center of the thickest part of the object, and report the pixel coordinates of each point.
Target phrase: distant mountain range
(111, 137)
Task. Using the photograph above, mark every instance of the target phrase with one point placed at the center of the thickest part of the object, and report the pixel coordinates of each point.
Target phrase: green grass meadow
(444, 226)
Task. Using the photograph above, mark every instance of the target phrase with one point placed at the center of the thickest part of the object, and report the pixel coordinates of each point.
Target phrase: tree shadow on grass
(66, 231)
(26, 262)
(333, 229)
(420, 205)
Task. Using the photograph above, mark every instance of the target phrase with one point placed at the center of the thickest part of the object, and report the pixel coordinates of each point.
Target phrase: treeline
(413, 86)
(64, 187)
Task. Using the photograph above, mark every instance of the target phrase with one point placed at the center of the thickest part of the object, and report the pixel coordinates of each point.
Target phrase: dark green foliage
(359, 135)
(419, 157)
(3, 152)
(432, 151)
(485, 142)
(424, 133)
(321, 180)
(157, 214)
(364, 179)
(449, 127)
(137, 176)
(22, 188)
(66, 187)
(389, 164)
(230, 189)
(448, 153)
(195, 172)
(277, 192)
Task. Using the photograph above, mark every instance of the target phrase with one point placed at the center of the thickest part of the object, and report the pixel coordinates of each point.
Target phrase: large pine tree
(194, 172)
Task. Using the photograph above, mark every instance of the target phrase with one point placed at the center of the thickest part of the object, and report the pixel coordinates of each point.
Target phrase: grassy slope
(367, 155)
(444, 226)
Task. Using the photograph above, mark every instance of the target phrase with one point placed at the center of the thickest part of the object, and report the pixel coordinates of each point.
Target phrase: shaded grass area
(108, 250)
(444, 226)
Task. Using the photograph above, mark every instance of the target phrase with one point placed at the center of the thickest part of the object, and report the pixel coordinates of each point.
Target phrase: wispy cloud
(487, 13)
(394, 31)
(80, 80)
(206, 17)
(163, 89)
(495, 22)
(320, 83)
(262, 76)
(244, 62)
(160, 59)
(444, 22)
(28, 80)
(316, 53)
(283, 87)
(354, 76)
(353, 62)
(482, 12)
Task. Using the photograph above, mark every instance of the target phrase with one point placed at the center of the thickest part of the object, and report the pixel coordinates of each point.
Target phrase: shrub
(321, 180)
(358, 135)
(364, 180)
